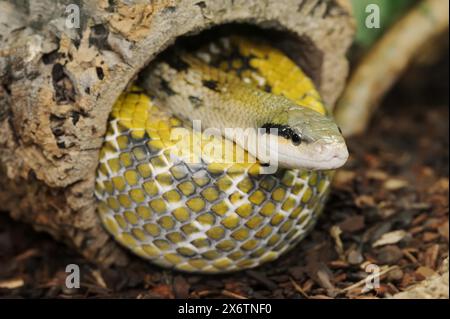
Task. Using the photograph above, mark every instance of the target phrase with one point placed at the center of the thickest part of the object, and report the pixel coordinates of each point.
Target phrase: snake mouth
(314, 156)
(332, 162)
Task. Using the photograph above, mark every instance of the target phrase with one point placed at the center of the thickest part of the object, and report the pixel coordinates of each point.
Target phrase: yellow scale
(177, 203)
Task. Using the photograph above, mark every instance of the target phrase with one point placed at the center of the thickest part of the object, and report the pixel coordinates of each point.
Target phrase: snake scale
(172, 195)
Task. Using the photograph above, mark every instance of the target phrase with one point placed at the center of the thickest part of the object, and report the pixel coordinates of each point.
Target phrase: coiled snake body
(186, 204)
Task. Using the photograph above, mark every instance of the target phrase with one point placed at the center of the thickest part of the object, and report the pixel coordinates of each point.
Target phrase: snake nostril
(323, 148)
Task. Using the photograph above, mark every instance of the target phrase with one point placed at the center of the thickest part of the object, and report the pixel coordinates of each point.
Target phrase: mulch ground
(388, 211)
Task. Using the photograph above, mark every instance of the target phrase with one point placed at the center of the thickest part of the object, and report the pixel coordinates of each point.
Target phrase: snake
(219, 159)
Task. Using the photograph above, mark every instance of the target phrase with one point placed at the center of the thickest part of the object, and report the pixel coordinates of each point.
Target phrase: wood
(57, 87)
(434, 287)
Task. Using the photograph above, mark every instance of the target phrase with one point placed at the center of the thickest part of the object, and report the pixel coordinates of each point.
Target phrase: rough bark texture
(58, 84)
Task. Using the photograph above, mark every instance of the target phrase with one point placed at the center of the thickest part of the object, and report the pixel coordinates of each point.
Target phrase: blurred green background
(390, 11)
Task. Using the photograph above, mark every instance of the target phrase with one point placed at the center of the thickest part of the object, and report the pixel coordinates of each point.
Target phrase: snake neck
(193, 90)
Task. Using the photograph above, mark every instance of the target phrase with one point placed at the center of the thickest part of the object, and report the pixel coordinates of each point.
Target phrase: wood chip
(343, 177)
(419, 219)
(298, 288)
(443, 230)
(27, 254)
(338, 264)
(395, 275)
(363, 281)
(232, 294)
(354, 257)
(429, 236)
(321, 297)
(324, 279)
(296, 272)
(335, 233)
(307, 286)
(430, 256)
(389, 254)
(408, 279)
(164, 291)
(363, 201)
(261, 277)
(424, 272)
(416, 230)
(377, 174)
(352, 224)
(99, 279)
(13, 283)
(341, 277)
(393, 184)
(392, 237)
(181, 287)
(407, 254)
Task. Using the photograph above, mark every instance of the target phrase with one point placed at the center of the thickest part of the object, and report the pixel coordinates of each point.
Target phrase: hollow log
(59, 80)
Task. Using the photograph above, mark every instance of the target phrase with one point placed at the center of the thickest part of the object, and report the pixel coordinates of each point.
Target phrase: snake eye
(296, 139)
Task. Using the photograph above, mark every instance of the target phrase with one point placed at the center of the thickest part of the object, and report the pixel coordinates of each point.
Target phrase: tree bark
(58, 84)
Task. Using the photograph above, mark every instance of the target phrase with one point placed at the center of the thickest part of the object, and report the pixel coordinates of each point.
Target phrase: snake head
(307, 139)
